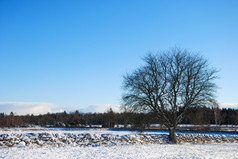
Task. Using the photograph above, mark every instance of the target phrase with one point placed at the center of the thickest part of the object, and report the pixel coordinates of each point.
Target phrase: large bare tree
(168, 84)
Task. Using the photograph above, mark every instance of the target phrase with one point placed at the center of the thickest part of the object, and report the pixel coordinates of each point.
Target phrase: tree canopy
(168, 84)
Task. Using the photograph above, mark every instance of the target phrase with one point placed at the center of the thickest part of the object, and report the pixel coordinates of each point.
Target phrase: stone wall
(200, 138)
(87, 139)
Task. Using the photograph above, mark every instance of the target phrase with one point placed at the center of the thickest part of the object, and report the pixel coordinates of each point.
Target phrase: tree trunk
(172, 136)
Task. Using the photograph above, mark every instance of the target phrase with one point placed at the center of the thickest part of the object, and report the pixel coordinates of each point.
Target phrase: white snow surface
(129, 151)
(61, 131)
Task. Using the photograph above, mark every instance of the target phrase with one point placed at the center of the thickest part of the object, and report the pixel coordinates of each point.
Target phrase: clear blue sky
(73, 54)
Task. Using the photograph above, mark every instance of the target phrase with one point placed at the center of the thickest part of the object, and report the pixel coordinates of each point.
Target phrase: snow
(129, 151)
(61, 131)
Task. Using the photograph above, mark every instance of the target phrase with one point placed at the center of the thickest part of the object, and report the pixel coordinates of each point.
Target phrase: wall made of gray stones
(86, 139)
(200, 138)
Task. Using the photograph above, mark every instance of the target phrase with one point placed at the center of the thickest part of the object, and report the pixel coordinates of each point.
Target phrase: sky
(60, 55)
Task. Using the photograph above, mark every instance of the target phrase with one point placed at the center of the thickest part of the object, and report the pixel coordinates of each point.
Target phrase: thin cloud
(99, 108)
(36, 108)
(229, 105)
(23, 108)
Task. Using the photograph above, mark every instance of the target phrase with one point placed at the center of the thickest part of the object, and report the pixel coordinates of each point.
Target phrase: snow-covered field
(226, 151)
(214, 150)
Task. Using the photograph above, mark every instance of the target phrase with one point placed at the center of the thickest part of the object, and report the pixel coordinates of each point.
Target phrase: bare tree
(168, 84)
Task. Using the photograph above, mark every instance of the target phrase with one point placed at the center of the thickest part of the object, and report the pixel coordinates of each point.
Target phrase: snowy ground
(126, 151)
(139, 152)
(64, 130)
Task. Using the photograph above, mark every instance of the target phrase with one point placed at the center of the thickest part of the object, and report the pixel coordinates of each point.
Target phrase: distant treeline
(199, 115)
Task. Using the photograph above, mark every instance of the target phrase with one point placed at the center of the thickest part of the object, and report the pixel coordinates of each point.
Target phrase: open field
(130, 151)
